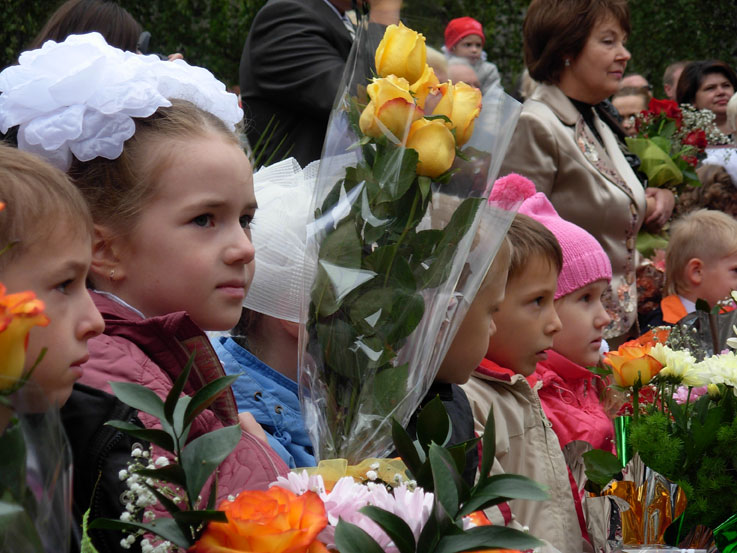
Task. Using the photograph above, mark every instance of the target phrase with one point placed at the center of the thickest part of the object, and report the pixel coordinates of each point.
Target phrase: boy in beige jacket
(525, 441)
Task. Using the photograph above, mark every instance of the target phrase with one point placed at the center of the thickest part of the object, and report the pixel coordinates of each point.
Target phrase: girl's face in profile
(191, 249)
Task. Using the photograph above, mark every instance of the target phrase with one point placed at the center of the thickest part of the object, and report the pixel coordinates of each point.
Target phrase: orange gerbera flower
(18, 314)
(274, 521)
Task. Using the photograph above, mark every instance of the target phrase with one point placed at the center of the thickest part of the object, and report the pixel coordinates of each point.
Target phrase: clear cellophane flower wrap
(35, 475)
(401, 240)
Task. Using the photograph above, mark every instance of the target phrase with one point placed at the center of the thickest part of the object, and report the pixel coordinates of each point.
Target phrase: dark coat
(290, 70)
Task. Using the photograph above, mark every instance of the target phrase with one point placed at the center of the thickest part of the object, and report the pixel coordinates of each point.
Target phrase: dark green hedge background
(211, 32)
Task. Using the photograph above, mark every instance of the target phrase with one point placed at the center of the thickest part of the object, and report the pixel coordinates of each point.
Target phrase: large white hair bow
(79, 97)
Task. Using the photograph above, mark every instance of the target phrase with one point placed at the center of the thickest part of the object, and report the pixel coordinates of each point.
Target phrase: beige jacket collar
(608, 159)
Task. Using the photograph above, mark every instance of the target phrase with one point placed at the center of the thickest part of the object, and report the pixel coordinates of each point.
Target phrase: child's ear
(106, 256)
(694, 271)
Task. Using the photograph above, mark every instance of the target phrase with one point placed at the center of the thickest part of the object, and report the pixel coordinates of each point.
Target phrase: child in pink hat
(569, 392)
(464, 38)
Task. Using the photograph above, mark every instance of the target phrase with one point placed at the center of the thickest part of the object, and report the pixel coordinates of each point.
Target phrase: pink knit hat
(584, 260)
(462, 27)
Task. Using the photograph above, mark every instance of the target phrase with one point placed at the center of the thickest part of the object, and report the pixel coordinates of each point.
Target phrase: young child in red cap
(464, 38)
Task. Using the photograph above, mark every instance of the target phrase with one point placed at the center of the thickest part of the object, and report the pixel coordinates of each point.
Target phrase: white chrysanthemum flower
(721, 369)
(678, 365)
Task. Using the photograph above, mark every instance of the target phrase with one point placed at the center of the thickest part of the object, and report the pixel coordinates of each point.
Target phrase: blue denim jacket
(271, 398)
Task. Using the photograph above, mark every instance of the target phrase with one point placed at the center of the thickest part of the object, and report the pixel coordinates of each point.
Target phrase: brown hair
(39, 199)
(717, 191)
(531, 240)
(557, 29)
(693, 75)
(703, 234)
(116, 190)
(107, 17)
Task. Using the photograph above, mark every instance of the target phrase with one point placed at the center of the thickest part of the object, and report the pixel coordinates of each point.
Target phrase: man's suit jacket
(290, 70)
(589, 184)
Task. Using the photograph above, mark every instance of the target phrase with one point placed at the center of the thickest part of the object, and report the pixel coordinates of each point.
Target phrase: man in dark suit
(290, 70)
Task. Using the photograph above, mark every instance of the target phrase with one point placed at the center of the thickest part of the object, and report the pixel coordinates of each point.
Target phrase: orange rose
(632, 361)
(18, 314)
(274, 521)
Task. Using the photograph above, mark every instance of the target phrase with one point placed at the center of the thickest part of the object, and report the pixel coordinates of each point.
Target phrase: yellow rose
(18, 314)
(401, 52)
(391, 105)
(434, 143)
(632, 362)
(461, 103)
(427, 83)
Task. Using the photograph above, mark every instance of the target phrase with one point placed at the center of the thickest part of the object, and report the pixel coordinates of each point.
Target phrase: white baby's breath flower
(372, 475)
(123, 474)
(125, 516)
(161, 461)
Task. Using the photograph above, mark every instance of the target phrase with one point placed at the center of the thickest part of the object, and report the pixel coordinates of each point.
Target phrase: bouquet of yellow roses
(407, 165)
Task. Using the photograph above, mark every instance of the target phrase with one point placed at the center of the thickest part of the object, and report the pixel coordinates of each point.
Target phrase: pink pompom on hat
(462, 27)
(584, 260)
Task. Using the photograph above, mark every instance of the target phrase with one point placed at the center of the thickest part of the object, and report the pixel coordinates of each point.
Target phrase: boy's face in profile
(56, 270)
(717, 279)
(472, 338)
(527, 319)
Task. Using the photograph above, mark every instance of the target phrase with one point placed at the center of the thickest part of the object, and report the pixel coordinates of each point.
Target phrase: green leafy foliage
(694, 445)
(197, 460)
(601, 468)
(433, 466)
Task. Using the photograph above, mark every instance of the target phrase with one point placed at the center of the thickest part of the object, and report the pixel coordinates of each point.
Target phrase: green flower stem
(406, 229)
(635, 403)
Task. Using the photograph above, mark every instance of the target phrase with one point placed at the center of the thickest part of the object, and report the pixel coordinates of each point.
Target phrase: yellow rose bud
(401, 52)
(427, 83)
(466, 108)
(18, 314)
(461, 103)
(434, 144)
(391, 105)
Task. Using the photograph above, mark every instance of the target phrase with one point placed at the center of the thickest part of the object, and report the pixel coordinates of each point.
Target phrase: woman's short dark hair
(558, 29)
(107, 17)
(694, 74)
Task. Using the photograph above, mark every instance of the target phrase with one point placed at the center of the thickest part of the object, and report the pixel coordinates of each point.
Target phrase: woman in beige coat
(571, 149)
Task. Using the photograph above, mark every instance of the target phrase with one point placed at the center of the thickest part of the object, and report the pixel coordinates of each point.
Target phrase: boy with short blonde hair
(700, 263)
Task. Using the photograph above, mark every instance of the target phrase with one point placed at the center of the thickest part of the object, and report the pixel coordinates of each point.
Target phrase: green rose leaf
(433, 424)
(349, 538)
(395, 172)
(202, 456)
(501, 488)
(487, 537)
